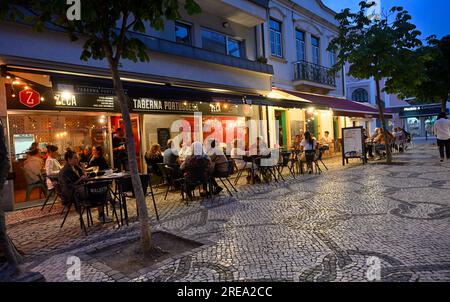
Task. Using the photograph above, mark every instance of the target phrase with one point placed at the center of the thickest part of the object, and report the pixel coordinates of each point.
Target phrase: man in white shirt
(442, 131)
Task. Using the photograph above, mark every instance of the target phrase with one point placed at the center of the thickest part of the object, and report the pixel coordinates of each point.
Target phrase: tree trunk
(383, 123)
(7, 248)
(132, 160)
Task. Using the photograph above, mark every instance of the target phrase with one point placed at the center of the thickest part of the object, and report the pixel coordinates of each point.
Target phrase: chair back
(164, 170)
(310, 155)
(127, 185)
(285, 157)
(97, 193)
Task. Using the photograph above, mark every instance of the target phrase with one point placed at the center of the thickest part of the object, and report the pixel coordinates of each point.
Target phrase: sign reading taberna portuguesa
(353, 144)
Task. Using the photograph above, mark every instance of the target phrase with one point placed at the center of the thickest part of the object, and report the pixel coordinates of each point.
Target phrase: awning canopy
(341, 107)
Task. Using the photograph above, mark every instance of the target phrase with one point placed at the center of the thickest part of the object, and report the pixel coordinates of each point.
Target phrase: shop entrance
(280, 117)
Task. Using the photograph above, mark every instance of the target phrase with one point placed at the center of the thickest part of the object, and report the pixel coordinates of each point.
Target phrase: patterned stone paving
(315, 228)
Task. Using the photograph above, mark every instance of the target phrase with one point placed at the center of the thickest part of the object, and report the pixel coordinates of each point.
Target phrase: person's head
(119, 132)
(308, 137)
(87, 150)
(34, 145)
(169, 143)
(197, 148)
(52, 150)
(327, 133)
(442, 115)
(97, 151)
(155, 149)
(34, 152)
(71, 157)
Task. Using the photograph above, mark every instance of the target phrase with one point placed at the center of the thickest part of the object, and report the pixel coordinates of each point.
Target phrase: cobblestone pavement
(337, 226)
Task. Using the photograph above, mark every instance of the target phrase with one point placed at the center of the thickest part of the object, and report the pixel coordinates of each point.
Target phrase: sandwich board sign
(353, 144)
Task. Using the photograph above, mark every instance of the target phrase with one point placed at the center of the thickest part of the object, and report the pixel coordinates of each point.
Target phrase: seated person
(196, 167)
(85, 155)
(259, 148)
(380, 142)
(308, 144)
(185, 150)
(97, 159)
(326, 141)
(70, 177)
(170, 158)
(297, 141)
(153, 157)
(237, 154)
(33, 167)
(220, 163)
(52, 165)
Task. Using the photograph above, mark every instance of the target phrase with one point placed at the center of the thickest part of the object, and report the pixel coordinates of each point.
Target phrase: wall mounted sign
(29, 98)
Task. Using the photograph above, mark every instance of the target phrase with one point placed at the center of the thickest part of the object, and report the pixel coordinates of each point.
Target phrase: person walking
(442, 132)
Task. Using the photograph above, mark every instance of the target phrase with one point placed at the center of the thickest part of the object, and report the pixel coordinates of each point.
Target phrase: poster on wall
(353, 144)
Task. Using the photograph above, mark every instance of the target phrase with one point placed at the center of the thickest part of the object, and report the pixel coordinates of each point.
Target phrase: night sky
(430, 17)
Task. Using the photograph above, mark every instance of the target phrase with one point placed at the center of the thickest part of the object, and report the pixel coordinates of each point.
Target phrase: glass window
(76, 131)
(360, 95)
(234, 47)
(300, 45)
(182, 33)
(214, 41)
(275, 38)
(332, 58)
(315, 44)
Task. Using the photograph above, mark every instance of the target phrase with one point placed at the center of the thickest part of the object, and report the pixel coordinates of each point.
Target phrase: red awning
(341, 107)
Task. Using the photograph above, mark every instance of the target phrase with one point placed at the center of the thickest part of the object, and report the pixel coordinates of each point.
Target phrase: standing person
(120, 150)
(442, 131)
(52, 165)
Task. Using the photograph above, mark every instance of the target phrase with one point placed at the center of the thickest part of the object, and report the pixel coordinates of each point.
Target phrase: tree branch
(123, 30)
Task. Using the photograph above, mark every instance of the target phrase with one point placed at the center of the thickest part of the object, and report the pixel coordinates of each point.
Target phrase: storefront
(81, 112)
(325, 114)
(419, 120)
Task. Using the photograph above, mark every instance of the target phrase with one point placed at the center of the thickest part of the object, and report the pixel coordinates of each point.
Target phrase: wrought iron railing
(306, 71)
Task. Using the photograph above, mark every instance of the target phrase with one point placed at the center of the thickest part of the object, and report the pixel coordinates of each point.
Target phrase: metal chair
(225, 176)
(40, 184)
(170, 178)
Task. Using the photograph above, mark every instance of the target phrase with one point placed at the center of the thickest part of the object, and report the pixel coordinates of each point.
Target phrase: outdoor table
(116, 177)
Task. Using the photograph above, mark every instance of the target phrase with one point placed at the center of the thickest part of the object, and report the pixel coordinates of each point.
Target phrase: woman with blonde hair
(153, 157)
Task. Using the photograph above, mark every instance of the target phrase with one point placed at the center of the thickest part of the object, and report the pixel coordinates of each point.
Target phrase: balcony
(313, 78)
(200, 54)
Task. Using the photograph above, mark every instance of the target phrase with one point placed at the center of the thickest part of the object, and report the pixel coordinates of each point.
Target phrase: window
(214, 41)
(332, 58)
(182, 33)
(315, 44)
(221, 43)
(275, 38)
(360, 95)
(300, 45)
(234, 47)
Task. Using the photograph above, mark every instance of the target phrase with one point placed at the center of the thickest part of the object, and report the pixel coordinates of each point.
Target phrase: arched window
(360, 95)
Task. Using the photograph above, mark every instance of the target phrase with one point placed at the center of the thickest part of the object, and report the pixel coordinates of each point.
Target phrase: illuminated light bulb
(185, 103)
(27, 87)
(13, 95)
(42, 99)
(218, 104)
(15, 82)
(225, 106)
(8, 77)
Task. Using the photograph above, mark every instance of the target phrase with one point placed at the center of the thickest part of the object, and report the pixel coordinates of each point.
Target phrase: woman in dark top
(153, 157)
(97, 159)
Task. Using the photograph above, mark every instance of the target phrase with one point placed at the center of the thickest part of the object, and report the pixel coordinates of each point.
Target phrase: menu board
(352, 144)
